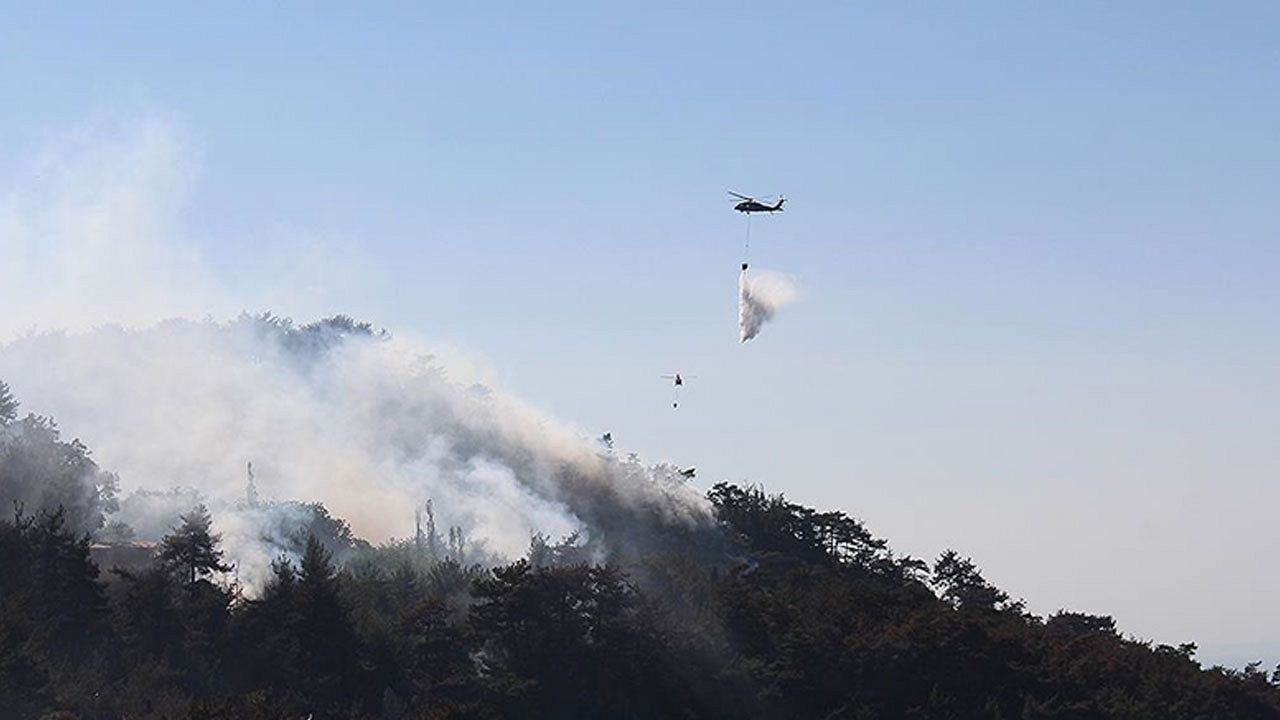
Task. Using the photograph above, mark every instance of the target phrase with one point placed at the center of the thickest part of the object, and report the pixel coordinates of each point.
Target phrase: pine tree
(8, 404)
(329, 645)
(192, 547)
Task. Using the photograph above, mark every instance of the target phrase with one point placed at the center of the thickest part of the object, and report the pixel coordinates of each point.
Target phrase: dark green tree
(39, 472)
(52, 611)
(961, 584)
(328, 646)
(192, 547)
(267, 639)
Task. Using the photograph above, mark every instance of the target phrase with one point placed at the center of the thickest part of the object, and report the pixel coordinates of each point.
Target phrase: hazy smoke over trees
(332, 412)
(41, 472)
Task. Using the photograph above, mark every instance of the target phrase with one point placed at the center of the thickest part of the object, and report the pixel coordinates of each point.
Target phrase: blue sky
(1036, 246)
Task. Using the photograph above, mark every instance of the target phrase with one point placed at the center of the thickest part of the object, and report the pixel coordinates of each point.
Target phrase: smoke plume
(370, 425)
(760, 296)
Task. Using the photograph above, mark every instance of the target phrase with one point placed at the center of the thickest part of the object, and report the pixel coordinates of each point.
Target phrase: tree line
(803, 614)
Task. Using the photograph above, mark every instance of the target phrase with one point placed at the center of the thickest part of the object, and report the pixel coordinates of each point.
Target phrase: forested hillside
(794, 613)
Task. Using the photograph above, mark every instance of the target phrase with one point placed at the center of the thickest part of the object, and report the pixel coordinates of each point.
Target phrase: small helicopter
(676, 379)
(677, 382)
(751, 205)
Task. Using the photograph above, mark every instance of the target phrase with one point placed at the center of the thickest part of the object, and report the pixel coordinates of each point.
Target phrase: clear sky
(1037, 246)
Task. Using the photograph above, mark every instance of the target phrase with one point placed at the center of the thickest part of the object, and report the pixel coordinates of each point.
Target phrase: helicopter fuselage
(752, 206)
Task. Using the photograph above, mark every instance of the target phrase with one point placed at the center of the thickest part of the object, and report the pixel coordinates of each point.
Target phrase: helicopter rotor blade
(740, 196)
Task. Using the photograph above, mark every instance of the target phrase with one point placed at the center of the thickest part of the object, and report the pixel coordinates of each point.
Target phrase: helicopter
(750, 205)
(677, 381)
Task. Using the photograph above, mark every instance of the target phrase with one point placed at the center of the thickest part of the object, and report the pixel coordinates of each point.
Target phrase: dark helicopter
(677, 382)
(751, 205)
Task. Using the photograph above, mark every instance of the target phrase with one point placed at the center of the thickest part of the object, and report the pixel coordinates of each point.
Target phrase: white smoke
(760, 296)
(92, 231)
(370, 426)
(86, 234)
